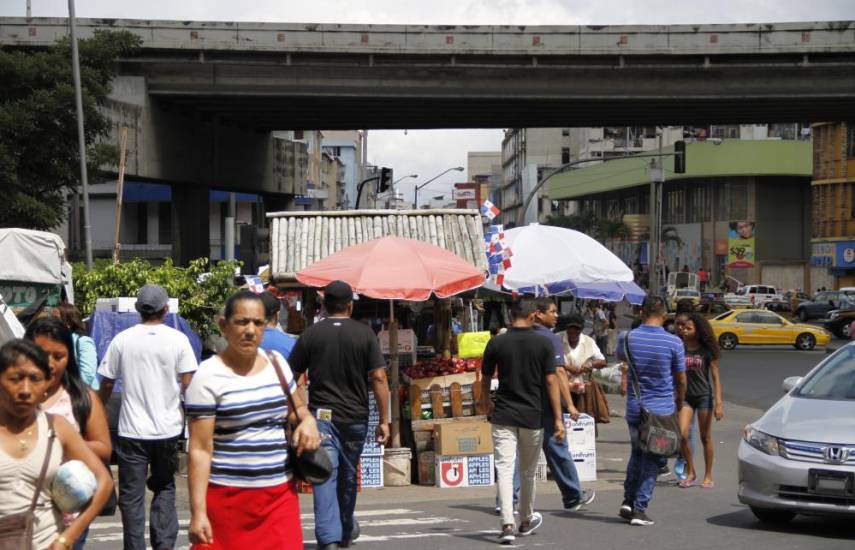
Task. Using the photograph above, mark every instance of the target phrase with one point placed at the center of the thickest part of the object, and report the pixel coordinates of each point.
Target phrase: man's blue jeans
(561, 464)
(641, 472)
(335, 499)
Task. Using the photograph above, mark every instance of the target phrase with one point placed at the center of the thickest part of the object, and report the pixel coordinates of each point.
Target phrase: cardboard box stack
(463, 454)
(582, 442)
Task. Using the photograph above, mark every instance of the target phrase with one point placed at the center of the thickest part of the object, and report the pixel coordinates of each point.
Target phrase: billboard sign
(740, 244)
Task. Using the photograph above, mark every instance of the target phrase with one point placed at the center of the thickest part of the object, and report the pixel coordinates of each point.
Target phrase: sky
(429, 152)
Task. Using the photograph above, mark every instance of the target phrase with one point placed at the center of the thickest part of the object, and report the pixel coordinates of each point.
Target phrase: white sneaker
(535, 521)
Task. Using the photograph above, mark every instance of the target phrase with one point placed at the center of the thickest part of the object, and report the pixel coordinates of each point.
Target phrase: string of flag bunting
(498, 253)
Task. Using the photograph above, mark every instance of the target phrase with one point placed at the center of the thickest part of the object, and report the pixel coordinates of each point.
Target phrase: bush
(201, 288)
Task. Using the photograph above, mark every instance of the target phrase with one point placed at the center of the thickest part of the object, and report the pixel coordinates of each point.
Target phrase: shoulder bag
(658, 434)
(16, 530)
(312, 466)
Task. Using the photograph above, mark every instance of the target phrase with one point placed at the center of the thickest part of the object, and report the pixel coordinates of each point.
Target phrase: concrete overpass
(202, 97)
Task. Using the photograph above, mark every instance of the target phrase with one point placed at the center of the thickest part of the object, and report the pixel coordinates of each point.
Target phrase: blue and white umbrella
(549, 260)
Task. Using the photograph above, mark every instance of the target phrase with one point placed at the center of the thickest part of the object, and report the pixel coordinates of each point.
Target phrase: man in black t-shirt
(526, 369)
(340, 355)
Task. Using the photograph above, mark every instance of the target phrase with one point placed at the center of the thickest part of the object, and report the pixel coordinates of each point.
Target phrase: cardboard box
(586, 464)
(407, 343)
(463, 437)
(427, 468)
(464, 471)
(371, 468)
(126, 304)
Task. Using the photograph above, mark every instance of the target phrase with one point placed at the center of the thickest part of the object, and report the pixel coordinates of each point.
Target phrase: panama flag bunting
(490, 210)
(498, 253)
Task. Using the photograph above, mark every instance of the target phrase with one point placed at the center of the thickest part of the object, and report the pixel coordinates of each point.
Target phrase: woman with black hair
(703, 393)
(66, 395)
(32, 442)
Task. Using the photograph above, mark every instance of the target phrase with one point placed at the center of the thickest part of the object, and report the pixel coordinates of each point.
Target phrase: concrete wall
(783, 219)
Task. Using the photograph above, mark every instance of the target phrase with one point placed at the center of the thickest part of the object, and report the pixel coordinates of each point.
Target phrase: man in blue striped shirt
(658, 361)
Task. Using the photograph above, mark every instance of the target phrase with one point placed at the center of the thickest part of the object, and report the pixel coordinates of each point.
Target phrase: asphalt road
(416, 517)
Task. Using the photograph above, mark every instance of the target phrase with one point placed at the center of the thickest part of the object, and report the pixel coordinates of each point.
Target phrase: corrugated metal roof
(298, 239)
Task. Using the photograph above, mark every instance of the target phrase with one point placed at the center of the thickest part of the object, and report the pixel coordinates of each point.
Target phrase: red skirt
(265, 518)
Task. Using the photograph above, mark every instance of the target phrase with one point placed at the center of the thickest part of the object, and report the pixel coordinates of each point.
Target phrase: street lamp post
(419, 187)
(81, 136)
(393, 195)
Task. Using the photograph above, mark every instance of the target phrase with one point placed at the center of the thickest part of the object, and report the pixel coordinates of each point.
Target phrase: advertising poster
(740, 244)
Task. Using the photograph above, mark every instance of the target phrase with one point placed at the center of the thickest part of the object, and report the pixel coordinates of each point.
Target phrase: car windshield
(835, 380)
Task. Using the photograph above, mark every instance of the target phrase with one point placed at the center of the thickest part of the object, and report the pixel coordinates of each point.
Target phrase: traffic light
(680, 157)
(385, 179)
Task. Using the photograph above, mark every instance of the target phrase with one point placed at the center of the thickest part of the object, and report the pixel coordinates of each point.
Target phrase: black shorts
(701, 402)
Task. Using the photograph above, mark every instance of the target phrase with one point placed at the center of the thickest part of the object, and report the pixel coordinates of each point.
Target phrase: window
(835, 380)
(565, 155)
(767, 319)
(745, 318)
(565, 131)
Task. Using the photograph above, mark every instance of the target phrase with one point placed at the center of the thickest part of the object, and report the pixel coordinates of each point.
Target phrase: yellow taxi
(761, 326)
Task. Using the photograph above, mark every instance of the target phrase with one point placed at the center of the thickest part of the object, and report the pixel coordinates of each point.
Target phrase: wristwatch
(64, 541)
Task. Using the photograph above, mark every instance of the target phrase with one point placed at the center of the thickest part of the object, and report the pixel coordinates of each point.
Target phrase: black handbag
(312, 466)
(658, 434)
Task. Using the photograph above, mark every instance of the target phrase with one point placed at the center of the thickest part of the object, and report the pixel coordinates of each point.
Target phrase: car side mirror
(790, 383)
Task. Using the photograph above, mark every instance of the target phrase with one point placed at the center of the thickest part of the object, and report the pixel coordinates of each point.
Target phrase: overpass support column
(191, 213)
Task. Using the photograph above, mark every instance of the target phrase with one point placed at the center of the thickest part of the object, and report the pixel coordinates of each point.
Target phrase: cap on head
(271, 303)
(151, 299)
(571, 320)
(339, 290)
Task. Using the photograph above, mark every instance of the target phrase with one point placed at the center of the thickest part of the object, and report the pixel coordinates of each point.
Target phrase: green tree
(39, 161)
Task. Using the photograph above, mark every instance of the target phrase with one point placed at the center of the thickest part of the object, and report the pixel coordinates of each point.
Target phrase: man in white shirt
(150, 358)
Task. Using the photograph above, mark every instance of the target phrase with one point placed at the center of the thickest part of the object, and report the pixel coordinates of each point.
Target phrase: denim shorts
(701, 402)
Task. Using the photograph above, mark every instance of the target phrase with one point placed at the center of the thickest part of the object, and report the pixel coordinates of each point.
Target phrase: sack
(16, 530)
(313, 467)
(471, 345)
(659, 435)
(595, 404)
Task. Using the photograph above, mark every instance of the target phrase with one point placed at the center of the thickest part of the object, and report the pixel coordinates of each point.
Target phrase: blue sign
(845, 257)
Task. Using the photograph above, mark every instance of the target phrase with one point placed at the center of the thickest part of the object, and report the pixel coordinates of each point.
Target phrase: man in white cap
(150, 358)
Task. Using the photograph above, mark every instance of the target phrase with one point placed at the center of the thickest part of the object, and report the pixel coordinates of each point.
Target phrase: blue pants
(561, 464)
(335, 499)
(641, 472)
(136, 456)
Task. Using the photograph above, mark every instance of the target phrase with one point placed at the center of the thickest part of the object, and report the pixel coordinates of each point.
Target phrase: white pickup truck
(757, 295)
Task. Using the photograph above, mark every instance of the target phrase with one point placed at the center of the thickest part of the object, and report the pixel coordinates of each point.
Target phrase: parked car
(799, 457)
(763, 327)
(709, 310)
(788, 303)
(756, 295)
(838, 321)
(681, 294)
(822, 303)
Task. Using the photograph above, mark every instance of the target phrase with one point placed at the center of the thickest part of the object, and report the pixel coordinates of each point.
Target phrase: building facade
(833, 197)
(346, 146)
(741, 209)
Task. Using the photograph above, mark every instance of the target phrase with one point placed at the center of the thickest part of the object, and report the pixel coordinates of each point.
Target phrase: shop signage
(823, 254)
(845, 257)
(464, 194)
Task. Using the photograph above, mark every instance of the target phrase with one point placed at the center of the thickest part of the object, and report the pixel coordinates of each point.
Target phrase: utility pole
(81, 136)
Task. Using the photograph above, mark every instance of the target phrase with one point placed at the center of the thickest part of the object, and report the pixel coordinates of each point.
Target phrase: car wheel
(728, 340)
(805, 341)
(803, 316)
(767, 515)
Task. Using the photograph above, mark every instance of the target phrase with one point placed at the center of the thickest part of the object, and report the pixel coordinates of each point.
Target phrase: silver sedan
(799, 458)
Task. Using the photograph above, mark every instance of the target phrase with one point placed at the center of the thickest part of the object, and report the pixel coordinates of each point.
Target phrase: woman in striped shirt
(241, 492)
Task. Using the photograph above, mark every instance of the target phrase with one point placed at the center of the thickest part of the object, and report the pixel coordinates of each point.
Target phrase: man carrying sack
(657, 373)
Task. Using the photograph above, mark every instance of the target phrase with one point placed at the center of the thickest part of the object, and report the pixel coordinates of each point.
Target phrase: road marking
(399, 522)
(369, 513)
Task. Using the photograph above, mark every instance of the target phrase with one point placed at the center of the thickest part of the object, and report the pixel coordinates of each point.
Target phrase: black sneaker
(664, 471)
(535, 521)
(507, 536)
(639, 518)
(586, 499)
(626, 510)
(354, 534)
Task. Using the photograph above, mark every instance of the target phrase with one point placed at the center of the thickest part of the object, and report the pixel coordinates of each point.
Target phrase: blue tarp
(105, 325)
(609, 292)
(140, 191)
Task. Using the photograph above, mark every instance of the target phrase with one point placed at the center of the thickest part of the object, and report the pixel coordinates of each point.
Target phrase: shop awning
(299, 239)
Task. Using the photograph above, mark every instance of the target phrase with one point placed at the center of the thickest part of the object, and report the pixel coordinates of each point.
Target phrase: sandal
(685, 484)
(708, 485)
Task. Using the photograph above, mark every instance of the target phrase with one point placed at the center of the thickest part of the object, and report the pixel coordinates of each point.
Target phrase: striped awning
(298, 239)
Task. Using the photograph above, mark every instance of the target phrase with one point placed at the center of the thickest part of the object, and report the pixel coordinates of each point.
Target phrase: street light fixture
(419, 187)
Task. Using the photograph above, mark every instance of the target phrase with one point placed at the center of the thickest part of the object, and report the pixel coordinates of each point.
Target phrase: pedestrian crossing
(384, 525)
